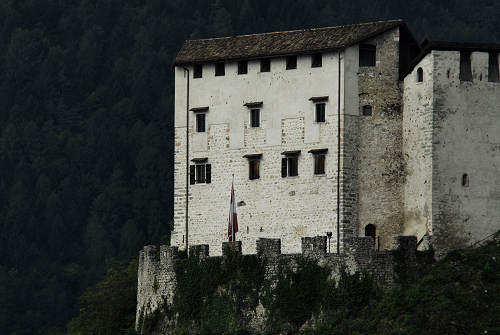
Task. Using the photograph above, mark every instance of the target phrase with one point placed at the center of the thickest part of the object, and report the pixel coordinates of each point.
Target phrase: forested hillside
(86, 116)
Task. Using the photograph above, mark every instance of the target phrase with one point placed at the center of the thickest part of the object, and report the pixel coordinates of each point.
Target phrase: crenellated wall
(157, 277)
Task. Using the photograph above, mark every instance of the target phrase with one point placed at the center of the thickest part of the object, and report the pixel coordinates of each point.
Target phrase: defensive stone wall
(157, 277)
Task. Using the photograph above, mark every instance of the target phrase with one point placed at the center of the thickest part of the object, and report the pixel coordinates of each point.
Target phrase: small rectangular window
(291, 62)
(255, 118)
(265, 65)
(198, 71)
(367, 55)
(293, 166)
(220, 69)
(290, 164)
(200, 122)
(493, 72)
(200, 174)
(465, 66)
(316, 60)
(253, 169)
(319, 163)
(243, 67)
(320, 112)
(367, 110)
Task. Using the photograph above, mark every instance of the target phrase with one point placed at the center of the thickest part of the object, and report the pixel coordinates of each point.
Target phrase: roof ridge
(296, 30)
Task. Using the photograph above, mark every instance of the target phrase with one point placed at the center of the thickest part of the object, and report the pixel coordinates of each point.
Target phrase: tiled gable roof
(279, 43)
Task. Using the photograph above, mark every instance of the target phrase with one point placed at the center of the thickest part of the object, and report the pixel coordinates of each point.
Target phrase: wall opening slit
(465, 180)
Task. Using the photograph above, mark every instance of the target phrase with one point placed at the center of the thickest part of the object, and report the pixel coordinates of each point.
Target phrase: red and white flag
(232, 227)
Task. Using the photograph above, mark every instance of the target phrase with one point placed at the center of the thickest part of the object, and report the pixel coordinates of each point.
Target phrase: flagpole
(232, 215)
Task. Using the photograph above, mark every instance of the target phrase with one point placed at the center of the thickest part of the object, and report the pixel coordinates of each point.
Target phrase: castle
(346, 136)
(356, 130)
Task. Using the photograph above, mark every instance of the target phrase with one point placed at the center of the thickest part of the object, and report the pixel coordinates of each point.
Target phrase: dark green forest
(86, 117)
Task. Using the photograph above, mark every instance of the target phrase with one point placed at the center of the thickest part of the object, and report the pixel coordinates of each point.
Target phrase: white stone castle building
(354, 130)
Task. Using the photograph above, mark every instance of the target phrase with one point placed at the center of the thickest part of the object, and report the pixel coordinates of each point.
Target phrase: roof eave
(256, 57)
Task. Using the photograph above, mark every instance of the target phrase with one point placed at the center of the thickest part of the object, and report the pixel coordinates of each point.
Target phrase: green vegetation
(457, 295)
(86, 126)
(109, 306)
(214, 294)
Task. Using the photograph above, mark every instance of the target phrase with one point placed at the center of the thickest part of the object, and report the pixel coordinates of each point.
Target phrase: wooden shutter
(208, 173)
(192, 174)
(284, 167)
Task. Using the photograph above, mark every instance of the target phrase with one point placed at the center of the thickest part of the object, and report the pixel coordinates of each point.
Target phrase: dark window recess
(319, 163)
(220, 69)
(320, 112)
(291, 62)
(200, 122)
(253, 169)
(367, 110)
(317, 60)
(493, 72)
(265, 65)
(465, 180)
(370, 230)
(293, 166)
(465, 66)
(290, 166)
(243, 67)
(200, 174)
(198, 71)
(255, 118)
(367, 55)
(420, 75)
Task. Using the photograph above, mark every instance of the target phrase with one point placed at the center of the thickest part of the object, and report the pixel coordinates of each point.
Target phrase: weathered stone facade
(370, 165)
(157, 276)
(452, 141)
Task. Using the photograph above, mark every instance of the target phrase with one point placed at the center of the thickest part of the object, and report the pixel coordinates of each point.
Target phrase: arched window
(370, 230)
(465, 180)
(420, 75)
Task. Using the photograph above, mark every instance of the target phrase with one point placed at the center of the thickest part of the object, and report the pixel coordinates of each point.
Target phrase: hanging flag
(232, 227)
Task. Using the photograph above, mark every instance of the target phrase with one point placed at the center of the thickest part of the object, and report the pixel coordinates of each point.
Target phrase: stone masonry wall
(373, 168)
(466, 140)
(417, 150)
(290, 207)
(157, 279)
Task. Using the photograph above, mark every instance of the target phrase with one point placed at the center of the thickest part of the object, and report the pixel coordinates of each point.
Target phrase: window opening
(320, 112)
(200, 174)
(291, 62)
(465, 66)
(220, 69)
(367, 110)
(198, 71)
(200, 122)
(243, 67)
(316, 60)
(255, 118)
(465, 180)
(367, 55)
(319, 163)
(370, 230)
(420, 75)
(265, 65)
(493, 72)
(253, 171)
(290, 164)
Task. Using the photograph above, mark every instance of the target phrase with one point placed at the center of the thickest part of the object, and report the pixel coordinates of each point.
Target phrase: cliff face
(266, 291)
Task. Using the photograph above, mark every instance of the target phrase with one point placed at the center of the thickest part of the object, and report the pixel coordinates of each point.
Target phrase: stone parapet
(157, 278)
